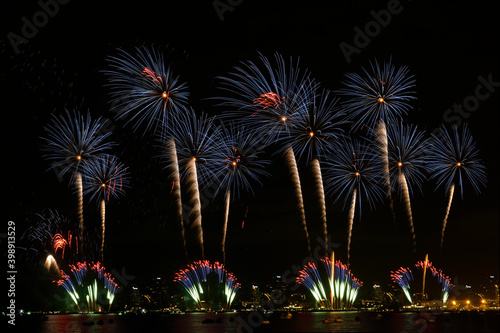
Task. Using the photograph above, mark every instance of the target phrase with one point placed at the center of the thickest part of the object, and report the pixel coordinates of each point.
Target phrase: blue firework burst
(382, 92)
(407, 147)
(454, 159)
(73, 139)
(353, 166)
(240, 162)
(105, 177)
(315, 128)
(143, 89)
(197, 138)
(268, 94)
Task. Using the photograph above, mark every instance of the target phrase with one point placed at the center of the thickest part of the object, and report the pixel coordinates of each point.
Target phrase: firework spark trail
(71, 142)
(331, 277)
(351, 222)
(238, 166)
(177, 190)
(104, 177)
(103, 226)
(294, 172)
(448, 207)
(79, 186)
(318, 180)
(406, 195)
(383, 144)
(453, 161)
(353, 170)
(425, 265)
(194, 202)
(224, 230)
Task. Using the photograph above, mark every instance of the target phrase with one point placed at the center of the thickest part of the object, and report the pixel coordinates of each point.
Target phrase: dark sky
(447, 46)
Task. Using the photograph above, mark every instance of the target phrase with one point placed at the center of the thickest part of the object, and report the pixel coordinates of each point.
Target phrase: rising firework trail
(176, 189)
(239, 165)
(144, 91)
(453, 160)
(197, 144)
(444, 280)
(294, 174)
(71, 141)
(406, 151)
(352, 172)
(376, 98)
(105, 178)
(425, 264)
(209, 285)
(381, 135)
(268, 96)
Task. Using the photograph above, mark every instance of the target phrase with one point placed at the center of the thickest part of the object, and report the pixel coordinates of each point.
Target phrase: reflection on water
(351, 321)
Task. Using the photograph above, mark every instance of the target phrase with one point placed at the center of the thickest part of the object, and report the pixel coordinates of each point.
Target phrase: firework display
(49, 235)
(407, 167)
(454, 160)
(210, 286)
(72, 140)
(90, 287)
(376, 98)
(380, 93)
(197, 150)
(349, 146)
(269, 96)
(353, 172)
(144, 90)
(444, 280)
(313, 133)
(240, 165)
(104, 178)
(336, 288)
(403, 277)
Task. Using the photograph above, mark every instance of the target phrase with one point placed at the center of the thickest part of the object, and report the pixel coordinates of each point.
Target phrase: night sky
(447, 46)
